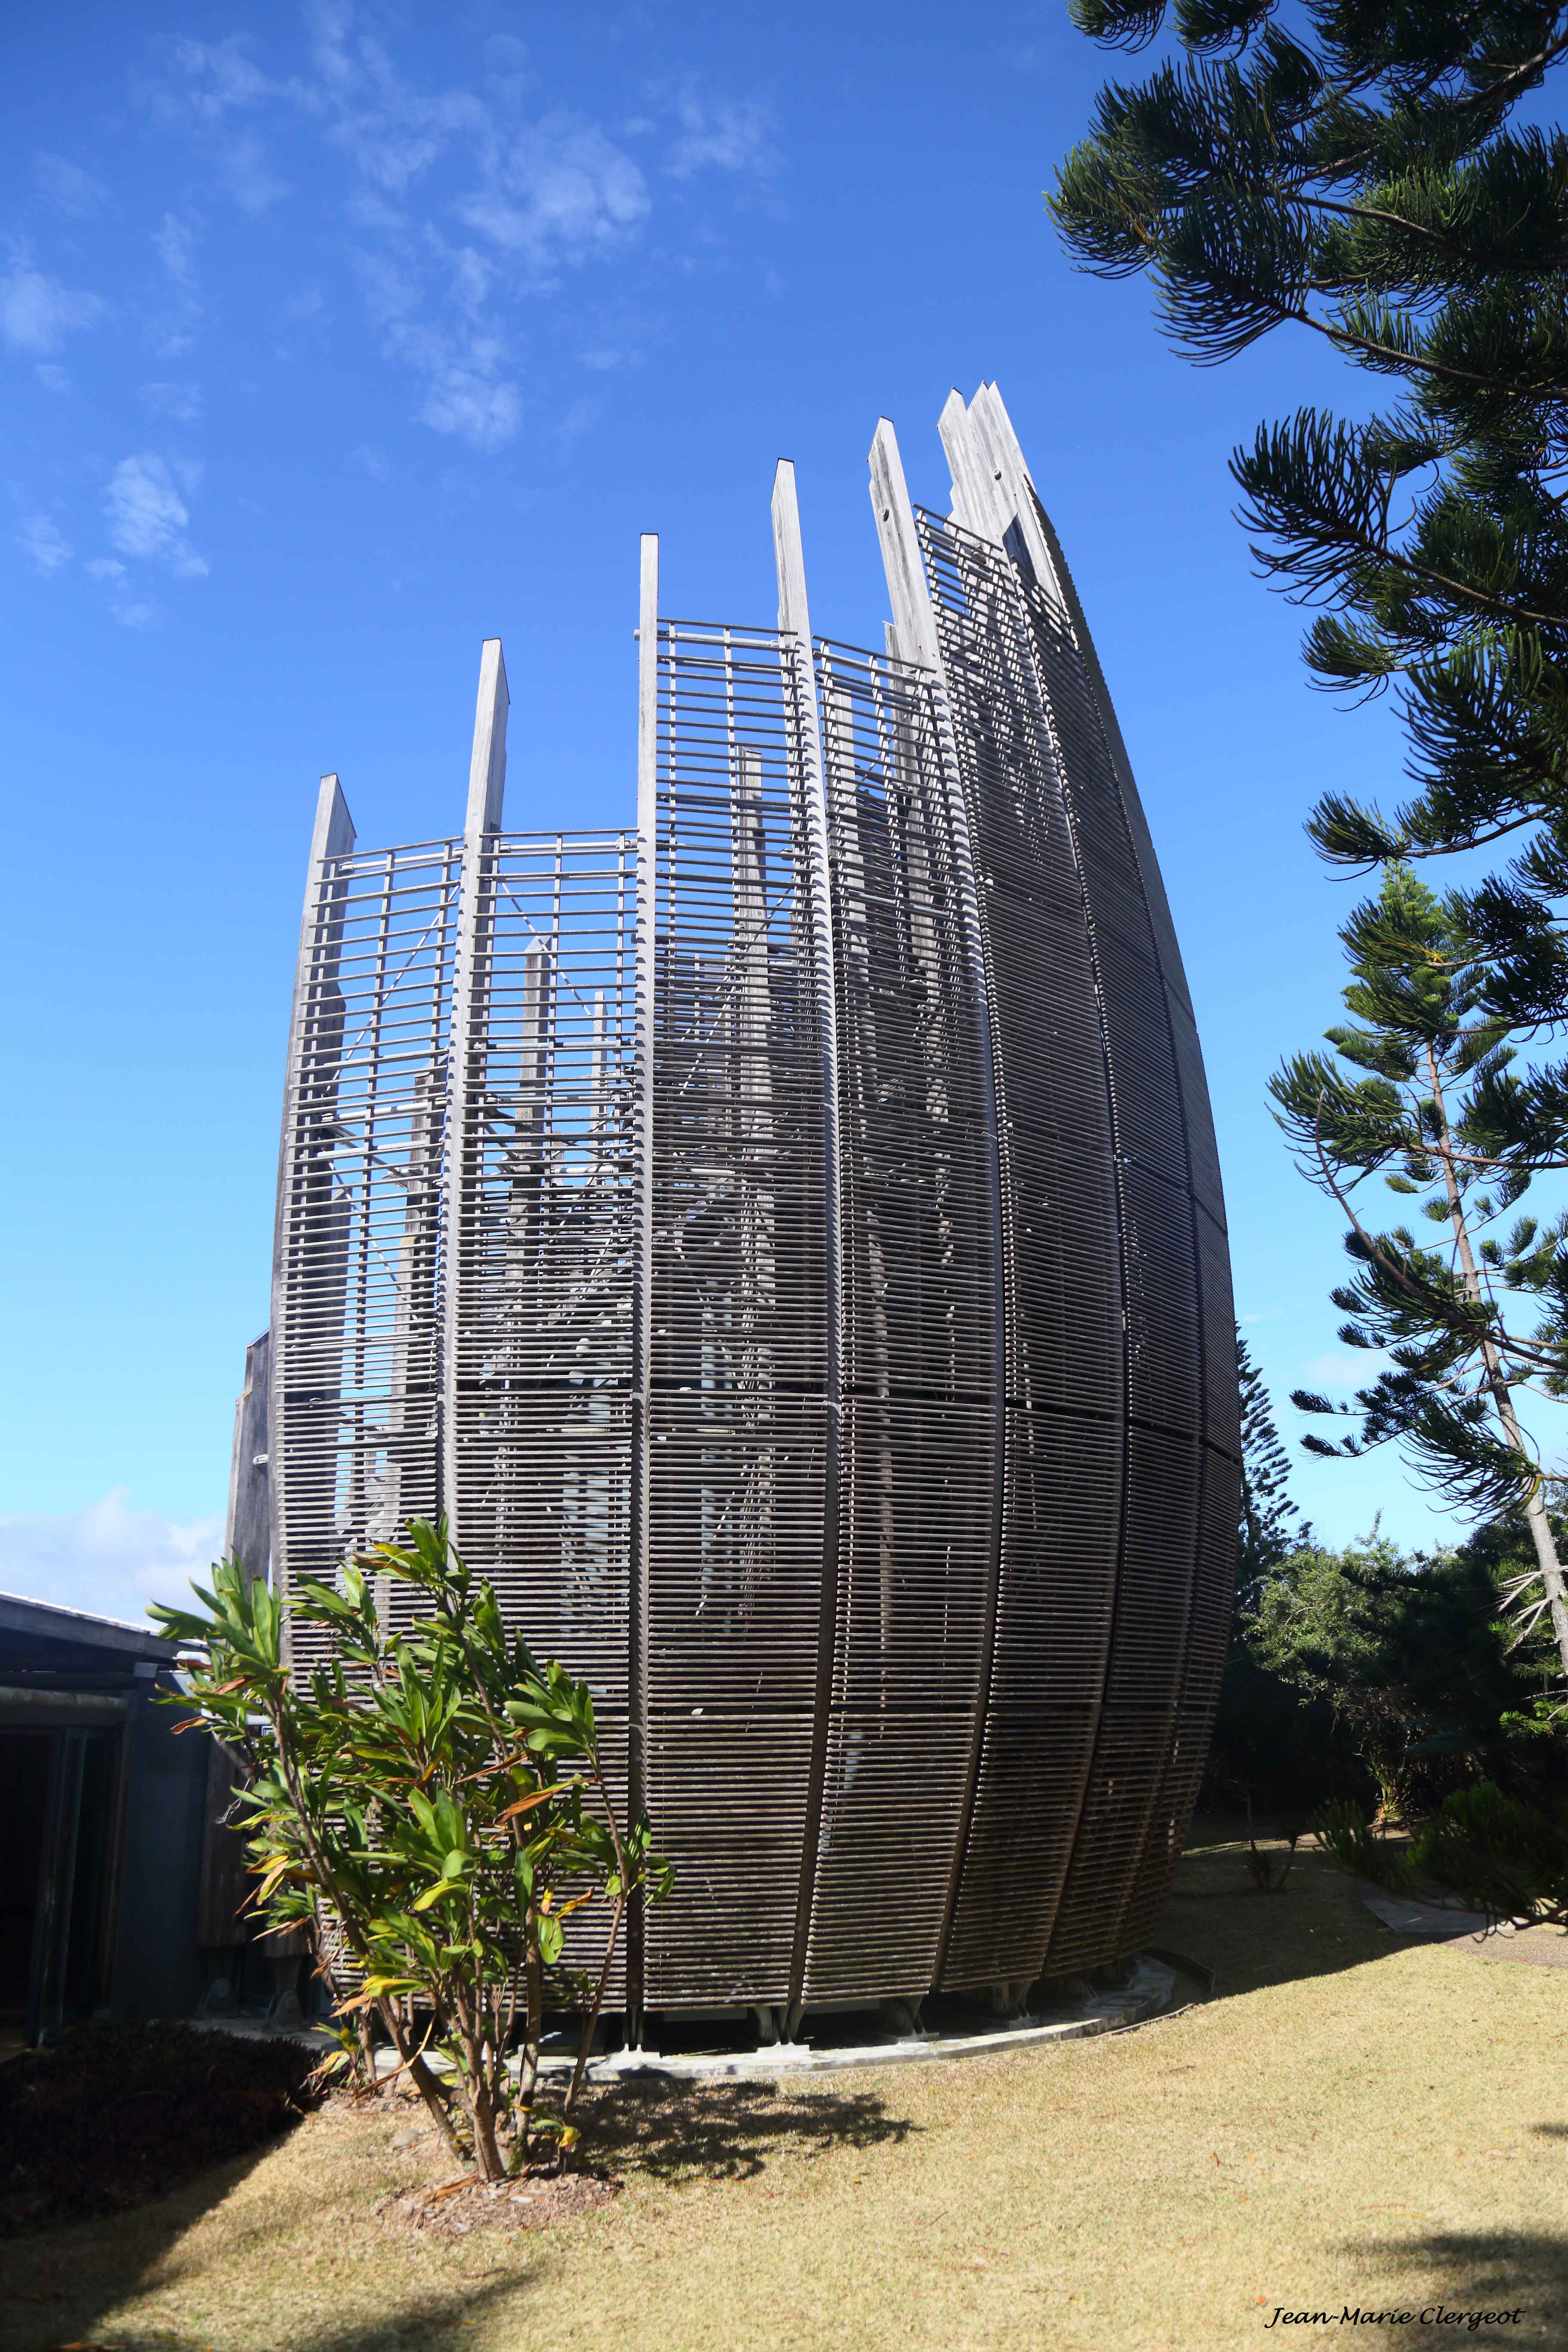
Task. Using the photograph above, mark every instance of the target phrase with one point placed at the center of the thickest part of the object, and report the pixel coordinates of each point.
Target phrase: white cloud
(43, 543)
(463, 400)
(173, 332)
(64, 184)
(250, 177)
(36, 312)
(109, 1558)
(301, 322)
(131, 610)
(183, 402)
(561, 193)
(462, 202)
(581, 416)
(373, 462)
(1355, 1368)
(175, 241)
(221, 78)
(147, 516)
(52, 376)
(725, 135)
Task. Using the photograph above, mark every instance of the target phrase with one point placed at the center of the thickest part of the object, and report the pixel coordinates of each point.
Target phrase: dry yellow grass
(1354, 2121)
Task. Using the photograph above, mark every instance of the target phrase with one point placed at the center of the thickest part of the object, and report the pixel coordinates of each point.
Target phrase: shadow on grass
(1485, 2269)
(422, 2320)
(1315, 1925)
(727, 2131)
(60, 2283)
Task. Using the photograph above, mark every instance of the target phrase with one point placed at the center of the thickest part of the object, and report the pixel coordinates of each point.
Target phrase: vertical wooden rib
(915, 621)
(1181, 1400)
(642, 1237)
(466, 1049)
(795, 630)
(1066, 1439)
(319, 943)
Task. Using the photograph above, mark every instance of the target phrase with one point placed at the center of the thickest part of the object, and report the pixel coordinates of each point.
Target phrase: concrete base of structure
(1156, 1985)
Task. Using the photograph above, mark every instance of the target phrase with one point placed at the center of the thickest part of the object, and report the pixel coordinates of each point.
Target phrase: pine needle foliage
(1356, 171)
(1271, 1524)
(1366, 172)
(1405, 1095)
(1359, 172)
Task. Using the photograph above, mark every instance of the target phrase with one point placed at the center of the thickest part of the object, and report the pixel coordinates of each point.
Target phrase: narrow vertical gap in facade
(645, 979)
(916, 620)
(981, 500)
(808, 795)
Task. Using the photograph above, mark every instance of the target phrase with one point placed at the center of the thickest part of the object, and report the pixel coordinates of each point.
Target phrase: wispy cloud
(129, 606)
(563, 196)
(147, 516)
(175, 241)
(109, 1558)
(183, 402)
(723, 134)
(458, 203)
(36, 312)
(220, 82)
(172, 330)
(66, 187)
(43, 543)
(1354, 1368)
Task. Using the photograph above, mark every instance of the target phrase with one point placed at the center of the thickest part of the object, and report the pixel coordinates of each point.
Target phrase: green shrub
(432, 1806)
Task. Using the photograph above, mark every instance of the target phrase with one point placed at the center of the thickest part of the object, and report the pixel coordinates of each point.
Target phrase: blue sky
(336, 339)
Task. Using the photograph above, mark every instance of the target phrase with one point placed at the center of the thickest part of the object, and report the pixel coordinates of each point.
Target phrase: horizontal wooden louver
(786, 1240)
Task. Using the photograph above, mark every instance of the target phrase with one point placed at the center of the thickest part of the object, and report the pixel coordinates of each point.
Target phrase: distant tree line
(1366, 1675)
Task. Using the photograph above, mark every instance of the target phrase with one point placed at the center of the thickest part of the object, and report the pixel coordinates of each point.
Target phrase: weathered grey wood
(914, 619)
(794, 622)
(977, 491)
(465, 1056)
(320, 938)
(642, 1227)
(1000, 443)
(224, 1882)
(247, 1533)
(907, 591)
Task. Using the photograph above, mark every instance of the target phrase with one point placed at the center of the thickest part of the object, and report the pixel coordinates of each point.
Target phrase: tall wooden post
(642, 1240)
(809, 785)
(914, 619)
(465, 1052)
(224, 1880)
(301, 1164)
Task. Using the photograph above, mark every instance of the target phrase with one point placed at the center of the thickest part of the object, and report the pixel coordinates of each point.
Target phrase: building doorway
(55, 1796)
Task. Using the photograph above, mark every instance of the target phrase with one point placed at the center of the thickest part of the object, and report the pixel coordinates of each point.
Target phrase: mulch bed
(459, 2207)
(115, 2114)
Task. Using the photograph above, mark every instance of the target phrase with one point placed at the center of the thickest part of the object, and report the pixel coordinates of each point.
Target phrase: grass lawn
(1354, 2120)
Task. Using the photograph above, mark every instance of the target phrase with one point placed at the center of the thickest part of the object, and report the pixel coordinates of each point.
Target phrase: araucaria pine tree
(1271, 1526)
(1361, 173)
(1406, 1095)
(1354, 170)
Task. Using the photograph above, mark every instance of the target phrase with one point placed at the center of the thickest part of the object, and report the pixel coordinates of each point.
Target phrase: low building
(101, 1817)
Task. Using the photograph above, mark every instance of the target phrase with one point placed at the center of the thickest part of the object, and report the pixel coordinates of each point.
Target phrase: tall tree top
(1355, 169)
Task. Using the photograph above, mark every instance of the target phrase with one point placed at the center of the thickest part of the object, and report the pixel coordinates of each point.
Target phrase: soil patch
(116, 2113)
(460, 2206)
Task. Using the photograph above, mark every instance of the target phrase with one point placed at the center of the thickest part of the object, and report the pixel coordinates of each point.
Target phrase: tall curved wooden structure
(786, 1241)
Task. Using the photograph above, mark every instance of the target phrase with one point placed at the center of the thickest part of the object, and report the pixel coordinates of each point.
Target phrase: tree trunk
(528, 2075)
(1535, 1511)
